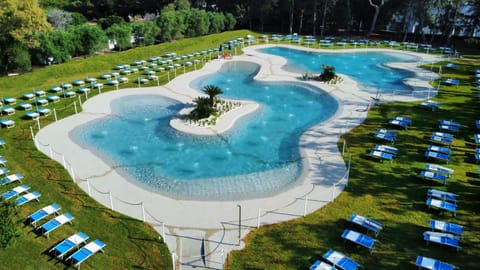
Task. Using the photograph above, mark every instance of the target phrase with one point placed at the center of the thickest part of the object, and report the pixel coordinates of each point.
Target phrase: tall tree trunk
(323, 18)
(375, 16)
(291, 16)
(301, 21)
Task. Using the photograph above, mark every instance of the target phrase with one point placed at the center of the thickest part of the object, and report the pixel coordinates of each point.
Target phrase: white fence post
(55, 114)
(33, 134)
(88, 188)
(168, 76)
(333, 192)
(75, 106)
(143, 213)
(174, 263)
(258, 220)
(50, 150)
(163, 233)
(80, 100)
(305, 206)
(111, 199)
(64, 162)
(38, 123)
(344, 146)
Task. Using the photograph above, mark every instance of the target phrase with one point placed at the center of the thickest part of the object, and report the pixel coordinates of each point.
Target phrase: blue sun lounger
(369, 224)
(476, 136)
(442, 140)
(3, 171)
(446, 227)
(340, 261)
(430, 104)
(360, 239)
(43, 213)
(86, 252)
(28, 198)
(477, 123)
(55, 223)
(443, 135)
(319, 265)
(380, 136)
(449, 128)
(433, 176)
(381, 155)
(451, 82)
(436, 155)
(450, 123)
(443, 195)
(432, 264)
(438, 168)
(442, 150)
(386, 149)
(68, 244)
(398, 123)
(15, 192)
(403, 119)
(11, 178)
(448, 206)
(3, 162)
(387, 132)
(446, 239)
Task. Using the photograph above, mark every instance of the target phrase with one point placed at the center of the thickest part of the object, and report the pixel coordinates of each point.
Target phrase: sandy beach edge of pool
(218, 221)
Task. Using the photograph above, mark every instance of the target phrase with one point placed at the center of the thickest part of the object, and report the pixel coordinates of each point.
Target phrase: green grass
(130, 243)
(391, 193)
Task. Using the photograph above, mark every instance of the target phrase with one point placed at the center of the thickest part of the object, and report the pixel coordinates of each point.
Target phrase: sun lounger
(450, 123)
(477, 123)
(398, 123)
(53, 98)
(386, 149)
(438, 168)
(360, 239)
(68, 244)
(11, 178)
(384, 137)
(387, 132)
(69, 94)
(449, 128)
(430, 104)
(436, 155)
(451, 65)
(32, 115)
(432, 264)
(439, 149)
(446, 227)
(25, 106)
(85, 252)
(403, 119)
(443, 195)
(8, 110)
(446, 239)
(28, 198)
(15, 192)
(476, 136)
(7, 123)
(451, 82)
(448, 206)
(340, 261)
(44, 111)
(3, 162)
(319, 265)
(367, 223)
(2, 142)
(9, 100)
(3, 170)
(433, 176)
(443, 134)
(381, 155)
(55, 223)
(46, 211)
(41, 101)
(39, 93)
(442, 140)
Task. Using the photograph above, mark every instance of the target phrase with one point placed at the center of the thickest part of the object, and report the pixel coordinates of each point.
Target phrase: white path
(186, 223)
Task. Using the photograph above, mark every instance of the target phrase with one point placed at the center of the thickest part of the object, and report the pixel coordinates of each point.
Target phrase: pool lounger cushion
(446, 239)
(443, 195)
(433, 176)
(360, 239)
(28, 198)
(367, 223)
(55, 223)
(68, 244)
(432, 264)
(446, 227)
(448, 206)
(340, 261)
(86, 252)
(43, 213)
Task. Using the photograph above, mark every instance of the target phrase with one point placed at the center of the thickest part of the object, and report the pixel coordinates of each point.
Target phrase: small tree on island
(203, 109)
(212, 91)
(328, 73)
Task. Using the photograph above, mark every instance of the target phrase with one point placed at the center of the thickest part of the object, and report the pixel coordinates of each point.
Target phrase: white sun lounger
(46, 211)
(55, 223)
(15, 192)
(86, 252)
(28, 198)
(11, 178)
(68, 244)
(432, 264)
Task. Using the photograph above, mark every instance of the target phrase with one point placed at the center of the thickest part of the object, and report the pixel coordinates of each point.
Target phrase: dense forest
(41, 32)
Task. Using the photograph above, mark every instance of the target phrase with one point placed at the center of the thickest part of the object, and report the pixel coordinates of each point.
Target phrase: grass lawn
(130, 243)
(391, 193)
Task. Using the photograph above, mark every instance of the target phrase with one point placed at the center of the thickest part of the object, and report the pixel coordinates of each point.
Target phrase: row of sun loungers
(22, 196)
(442, 200)
(400, 121)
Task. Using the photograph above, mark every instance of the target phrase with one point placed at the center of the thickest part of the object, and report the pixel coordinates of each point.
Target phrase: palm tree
(212, 91)
(203, 109)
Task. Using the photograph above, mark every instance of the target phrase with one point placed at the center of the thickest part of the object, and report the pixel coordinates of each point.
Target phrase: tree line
(43, 31)
(31, 35)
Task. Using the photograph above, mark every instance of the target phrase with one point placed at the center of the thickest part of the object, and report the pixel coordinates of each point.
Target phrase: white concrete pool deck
(186, 223)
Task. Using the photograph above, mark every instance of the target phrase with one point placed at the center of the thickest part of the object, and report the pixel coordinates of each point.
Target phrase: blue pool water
(258, 157)
(367, 68)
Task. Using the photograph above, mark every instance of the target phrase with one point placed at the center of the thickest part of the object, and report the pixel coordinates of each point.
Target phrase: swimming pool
(367, 68)
(260, 156)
